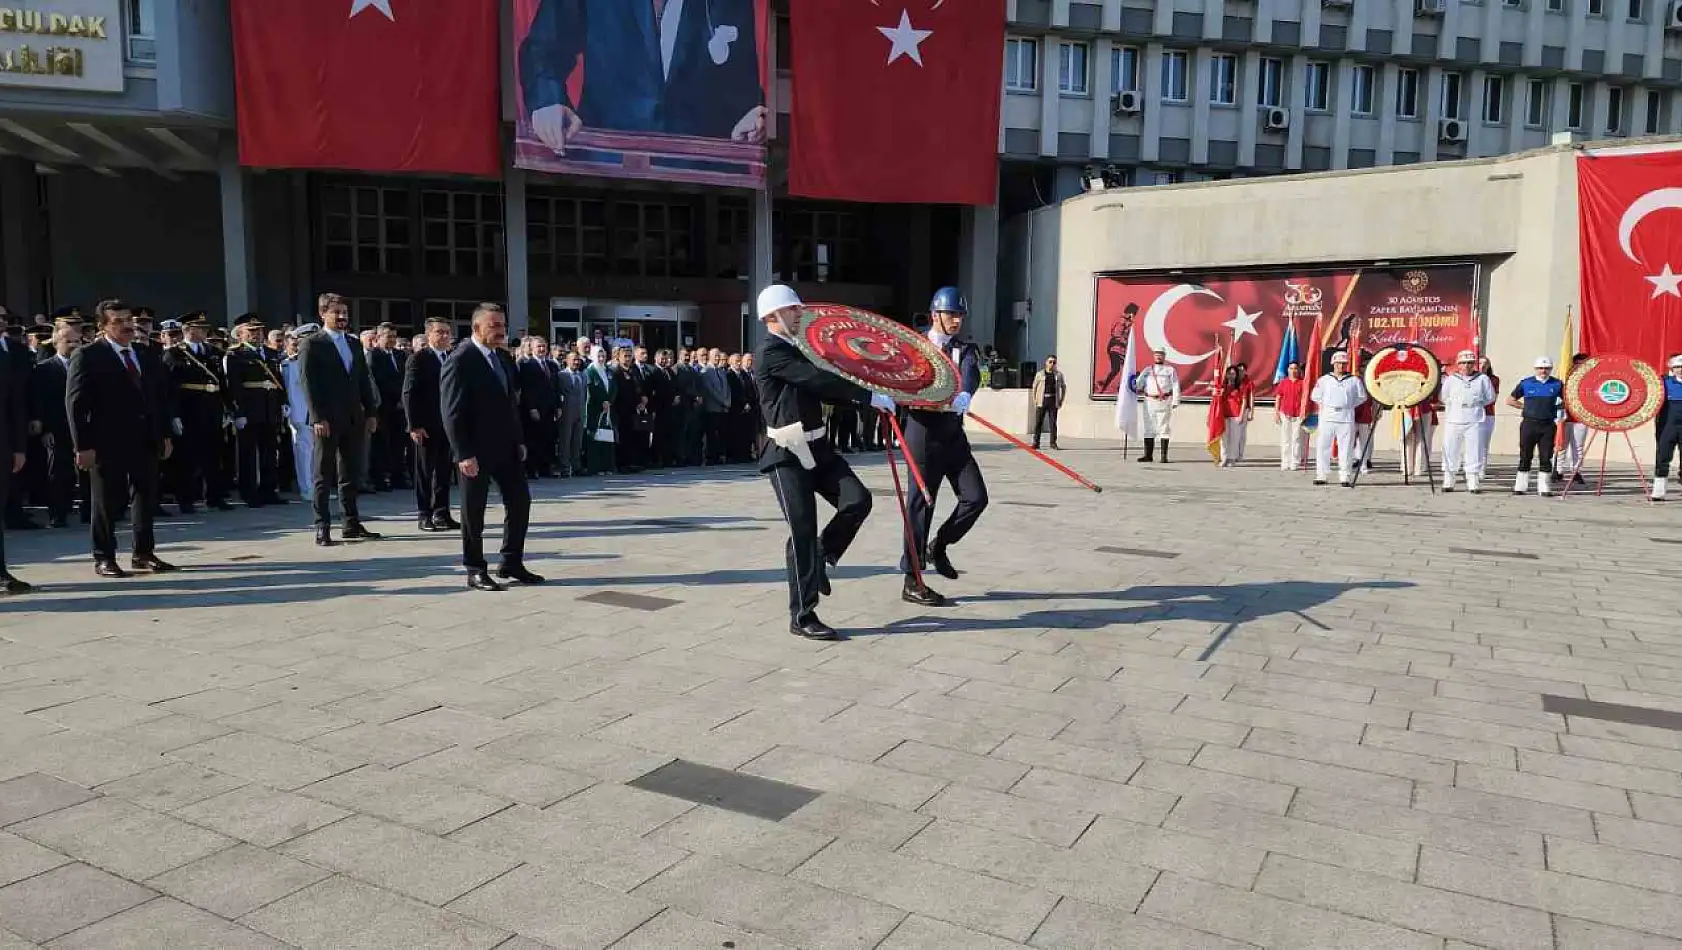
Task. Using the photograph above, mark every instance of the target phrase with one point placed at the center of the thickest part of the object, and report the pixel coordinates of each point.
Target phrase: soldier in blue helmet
(936, 441)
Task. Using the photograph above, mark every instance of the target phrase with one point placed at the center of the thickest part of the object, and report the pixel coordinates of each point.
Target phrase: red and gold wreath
(882, 355)
(1402, 376)
(1613, 393)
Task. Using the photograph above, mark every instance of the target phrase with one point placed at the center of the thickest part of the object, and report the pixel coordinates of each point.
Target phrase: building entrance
(656, 326)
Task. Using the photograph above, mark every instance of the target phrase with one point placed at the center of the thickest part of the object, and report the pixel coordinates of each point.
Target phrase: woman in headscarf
(599, 433)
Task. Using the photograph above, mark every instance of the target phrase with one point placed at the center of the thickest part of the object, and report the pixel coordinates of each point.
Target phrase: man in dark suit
(51, 424)
(342, 407)
(13, 425)
(540, 404)
(20, 361)
(386, 446)
(422, 379)
(481, 401)
(115, 398)
(662, 66)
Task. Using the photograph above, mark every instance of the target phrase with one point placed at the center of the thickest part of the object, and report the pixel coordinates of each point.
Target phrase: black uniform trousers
(1670, 440)
(510, 479)
(65, 483)
(432, 477)
(1536, 437)
(258, 461)
(808, 550)
(112, 480)
(197, 460)
(943, 456)
(341, 458)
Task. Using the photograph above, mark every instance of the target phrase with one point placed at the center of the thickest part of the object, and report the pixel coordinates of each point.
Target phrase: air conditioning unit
(1276, 119)
(1430, 7)
(1673, 22)
(1451, 130)
(1126, 102)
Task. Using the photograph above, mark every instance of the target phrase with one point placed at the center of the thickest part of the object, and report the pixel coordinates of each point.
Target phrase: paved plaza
(1204, 709)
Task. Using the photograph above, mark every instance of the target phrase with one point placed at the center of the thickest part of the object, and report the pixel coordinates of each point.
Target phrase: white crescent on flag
(1658, 199)
(1156, 323)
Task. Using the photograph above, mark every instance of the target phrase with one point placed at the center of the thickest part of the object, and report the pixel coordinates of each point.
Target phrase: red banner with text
(1264, 319)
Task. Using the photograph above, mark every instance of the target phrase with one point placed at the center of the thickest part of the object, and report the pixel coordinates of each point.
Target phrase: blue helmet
(948, 300)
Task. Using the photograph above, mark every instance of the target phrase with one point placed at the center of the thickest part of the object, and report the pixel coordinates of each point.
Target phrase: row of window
(1317, 77)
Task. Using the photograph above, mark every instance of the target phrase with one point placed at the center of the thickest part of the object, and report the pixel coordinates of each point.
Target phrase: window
(1635, 9)
(1515, 4)
(1574, 107)
(1362, 94)
(1597, 7)
(1223, 79)
(1174, 75)
(461, 233)
(1071, 68)
(1407, 93)
(1450, 104)
(1270, 91)
(804, 232)
(1655, 109)
(567, 236)
(1555, 6)
(1615, 110)
(1317, 86)
(1494, 92)
(1124, 69)
(142, 30)
(365, 229)
(1170, 178)
(1536, 103)
(367, 313)
(1022, 64)
(652, 239)
(733, 247)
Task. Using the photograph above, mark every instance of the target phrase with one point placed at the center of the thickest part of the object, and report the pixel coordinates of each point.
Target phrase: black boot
(1164, 456)
(1150, 450)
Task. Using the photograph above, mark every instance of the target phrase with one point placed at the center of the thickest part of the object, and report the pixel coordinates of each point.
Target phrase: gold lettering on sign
(54, 24)
(53, 61)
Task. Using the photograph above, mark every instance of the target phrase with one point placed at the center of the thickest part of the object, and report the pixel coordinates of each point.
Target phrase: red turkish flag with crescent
(896, 102)
(369, 85)
(1630, 231)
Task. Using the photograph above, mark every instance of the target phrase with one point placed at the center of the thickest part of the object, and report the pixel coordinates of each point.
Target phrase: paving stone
(1572, 934)
(1541, 788)
(740, 839)
(1426, 744)
(1265, 832)
(165, 924)
(621, 806)
(858, 821)
(1268, 921)
(1571, 896)
(172, 786)
(556, 909)
(525, 782)
(1500, 842)
(376, 744)
(1207, 859)
(121, 838)
(235, 882)
(413, 800)
(262, 816)
(35, 794)
(1106, 798)
(1069, 757)
(1637, 835)
(21, 858)
(1103, 877)
(1284, 770)
(341, 914)
(1361, 758)
(966, 768)
(1505, 810)
(674, 928)
(274, 763)
(791, 910)
(604, 760)
(1220, 786)
(425, 867)
(1022, 817)
(830, 774)
(923, 933)
(64, 899)
(1077, 925)
(605, 855)
(1614, 864)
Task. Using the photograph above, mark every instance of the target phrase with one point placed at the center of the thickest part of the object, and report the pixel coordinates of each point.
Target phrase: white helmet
(776, 297)
(1466, 356)
(1542, 362)
(1676, 361)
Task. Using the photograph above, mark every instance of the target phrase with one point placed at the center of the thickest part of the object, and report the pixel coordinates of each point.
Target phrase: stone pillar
(760, 267)
(514, 231)
(238, 252)
(21, 249)
(978, 271)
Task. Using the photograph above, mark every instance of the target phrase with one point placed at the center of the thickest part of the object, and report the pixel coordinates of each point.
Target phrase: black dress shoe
(427, 524)
(189, 510)
(823, 581)
(518, 572)
(479, 580)
(921, 595)
(324, 539)
(356, 532)
(109, 569)
(11, 586)
(152, 563)
(941, 564)
(221, 504)
(449, 523)
(811, 628)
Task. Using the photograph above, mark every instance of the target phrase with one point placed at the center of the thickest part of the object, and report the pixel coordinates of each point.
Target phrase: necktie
(132, 367)
(659, 9)
(496, 367)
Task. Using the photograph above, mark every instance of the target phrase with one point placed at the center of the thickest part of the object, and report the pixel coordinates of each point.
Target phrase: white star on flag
(1244, 322)
(384, 6)
(1666, 281)
(905, 39)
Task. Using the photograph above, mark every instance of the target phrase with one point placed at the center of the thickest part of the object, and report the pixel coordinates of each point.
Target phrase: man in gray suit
(575, 392)
(715, 405)
(342, 413)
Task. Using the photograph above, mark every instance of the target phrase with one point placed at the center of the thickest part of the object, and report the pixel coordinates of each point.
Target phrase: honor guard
(1465, 394)
(1339, 394)
(1158, 386)
(1669, 421)
(258, 397)
(802, 462)
(935, 440)
(199, 395)
(1540, 397)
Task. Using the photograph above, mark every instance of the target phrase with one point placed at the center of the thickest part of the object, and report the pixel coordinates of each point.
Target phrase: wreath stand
(1595, 435)
(1643, 386)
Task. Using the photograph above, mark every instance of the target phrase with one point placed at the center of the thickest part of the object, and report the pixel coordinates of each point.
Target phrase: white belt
(813, 435)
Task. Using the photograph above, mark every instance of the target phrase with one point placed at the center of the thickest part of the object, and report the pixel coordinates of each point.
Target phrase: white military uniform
(1570, 457)
(1338, 400)
(1159, 391)
(1464, 399)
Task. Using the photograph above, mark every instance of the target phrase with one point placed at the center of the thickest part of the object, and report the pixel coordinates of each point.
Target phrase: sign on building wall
(62, 44)
(668, 91)
(1196, 318)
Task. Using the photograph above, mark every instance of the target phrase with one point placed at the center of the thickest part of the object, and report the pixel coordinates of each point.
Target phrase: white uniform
(1571, 457)
(1416, 445)
(297, 417)
(1338, 399)
(1464, 399)
(1159, 391)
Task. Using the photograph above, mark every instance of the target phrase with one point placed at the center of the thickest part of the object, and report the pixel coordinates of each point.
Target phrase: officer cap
(306, 330)
(70, 320)
(250, 320)
(1466, 356)
(41, 334)
(1542, 362)
(170, 326)
(1340, 357)
(63, 312)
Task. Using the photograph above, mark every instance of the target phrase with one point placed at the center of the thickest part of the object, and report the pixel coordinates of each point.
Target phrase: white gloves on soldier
(879, 401)
(239, 424)
(960, 403)
(175, 426)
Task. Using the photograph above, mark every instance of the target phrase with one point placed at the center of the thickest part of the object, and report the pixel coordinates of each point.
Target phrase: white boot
(1448, 481)
(1521, 483)
(1472, 484)
(1543, 487)
(1659, 487)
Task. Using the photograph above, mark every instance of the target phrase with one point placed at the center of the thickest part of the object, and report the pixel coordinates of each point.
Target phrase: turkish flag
(369, 85)
(1630, 249)
(896, 103)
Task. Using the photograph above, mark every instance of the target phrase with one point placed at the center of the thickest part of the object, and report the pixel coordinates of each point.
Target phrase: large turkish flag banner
(896, 102)
(368, 85)
(1630, 246)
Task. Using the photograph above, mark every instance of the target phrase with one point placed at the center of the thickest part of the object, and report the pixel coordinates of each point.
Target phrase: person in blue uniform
(1540, 397)
(1669, 422)
(936, 441)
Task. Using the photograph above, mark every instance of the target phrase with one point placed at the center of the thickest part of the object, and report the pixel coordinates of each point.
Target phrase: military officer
(199, 396)
(258, 395)
(1158, 386)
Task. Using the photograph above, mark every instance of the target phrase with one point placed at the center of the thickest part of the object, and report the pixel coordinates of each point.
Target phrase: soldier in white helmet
(1158, 386)
(1541, 398)
(1465, 393)
(1669, 421)
(1338, 393)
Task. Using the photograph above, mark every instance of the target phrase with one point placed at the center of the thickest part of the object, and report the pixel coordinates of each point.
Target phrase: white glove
(175, 424)
(960, 403)
(239, 423)
(879, 401)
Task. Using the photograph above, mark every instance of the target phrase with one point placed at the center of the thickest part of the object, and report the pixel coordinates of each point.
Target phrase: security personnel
(199, 396)
(936, 441)
(802, 462)
(1669, 421)
(1540, 397)
(258, 395)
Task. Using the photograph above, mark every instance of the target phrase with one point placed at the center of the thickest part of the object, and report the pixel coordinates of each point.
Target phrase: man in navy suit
(674, 67)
